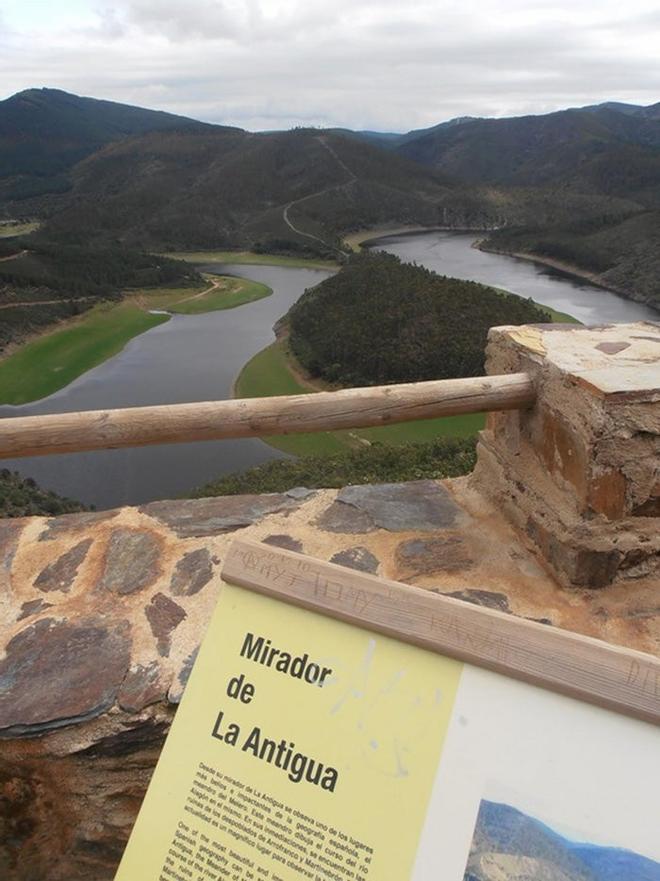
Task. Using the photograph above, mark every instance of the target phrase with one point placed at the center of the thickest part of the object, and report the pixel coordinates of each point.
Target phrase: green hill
(50, 282)
(570, 147)
(609, 153)
(296, 191)
(45, 132)
(395, 322)
(213, 188)
(623, 255)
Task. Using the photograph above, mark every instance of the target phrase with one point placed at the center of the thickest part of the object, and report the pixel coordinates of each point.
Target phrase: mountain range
(509, 844)
(563, 185)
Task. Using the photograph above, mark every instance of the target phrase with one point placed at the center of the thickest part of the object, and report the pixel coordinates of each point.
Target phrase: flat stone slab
(193, 572)
(282, 540)
(61, 574)
(141, 687)
(56, 672)
(164, 616)
(358, 558)
(131, 562)
(10, 532)
(426, 556)
(67, 524)
(621, 361)
(196, 518)
(420, 505)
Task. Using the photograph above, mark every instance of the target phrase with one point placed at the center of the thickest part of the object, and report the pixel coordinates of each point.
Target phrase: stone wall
(579, 473)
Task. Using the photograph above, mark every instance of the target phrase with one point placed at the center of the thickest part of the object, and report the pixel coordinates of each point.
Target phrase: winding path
(13, 256)
(352, 179)
(46, 302)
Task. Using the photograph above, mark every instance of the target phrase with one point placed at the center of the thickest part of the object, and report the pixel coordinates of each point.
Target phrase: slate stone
(61, 574)
(131, 561)
(195, 518)
(488, 598)
(9, 535)
(612, 348)
(68, 523)
(300, 492)
(193, 572)
(420, 505)
(141, 687)
(425, 556)
(177, 688)
(357, 558)
(55, 673)
(145, 736)
(344, 519)
(164, 615)
(288, 542)
(32, 608)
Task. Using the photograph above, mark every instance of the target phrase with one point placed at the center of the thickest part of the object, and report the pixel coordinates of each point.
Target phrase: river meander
(197, 357)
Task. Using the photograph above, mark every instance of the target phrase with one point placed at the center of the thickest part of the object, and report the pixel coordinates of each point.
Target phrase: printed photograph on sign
(535, 786)
(509, 845)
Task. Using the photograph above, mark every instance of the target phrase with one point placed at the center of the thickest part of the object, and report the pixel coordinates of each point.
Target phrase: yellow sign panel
(304, 748)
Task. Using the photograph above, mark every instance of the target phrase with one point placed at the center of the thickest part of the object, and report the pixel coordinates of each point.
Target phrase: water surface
(197, 357)
(189, 358)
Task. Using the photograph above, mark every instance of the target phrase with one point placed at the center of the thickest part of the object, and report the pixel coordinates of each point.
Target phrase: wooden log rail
(258, 417)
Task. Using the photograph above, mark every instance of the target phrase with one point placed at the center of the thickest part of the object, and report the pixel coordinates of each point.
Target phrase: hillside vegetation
(291, 193)
(597, 150)
(21, 497)
(105, 173)
(49, 282)
(380, 320)
(45, 132)
(378, 463)
(287, 191)
(623, 255)
(609, 154)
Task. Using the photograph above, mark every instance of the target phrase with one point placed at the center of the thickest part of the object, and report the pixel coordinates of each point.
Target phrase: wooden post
(258, 417)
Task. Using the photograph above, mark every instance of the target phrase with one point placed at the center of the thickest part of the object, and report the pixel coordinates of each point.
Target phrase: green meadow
(249, 257)
(269, 373)
(49, 363)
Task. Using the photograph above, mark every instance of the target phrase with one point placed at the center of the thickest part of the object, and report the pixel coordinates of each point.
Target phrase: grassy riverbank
(11, 228)
(355, 240)
(220, 292)
(50, 362)
(270, 373)
(250, 257)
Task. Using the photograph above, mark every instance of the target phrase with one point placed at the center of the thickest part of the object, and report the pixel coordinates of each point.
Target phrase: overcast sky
(382, 64)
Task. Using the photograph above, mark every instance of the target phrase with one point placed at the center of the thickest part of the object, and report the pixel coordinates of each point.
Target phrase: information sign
(311, 747)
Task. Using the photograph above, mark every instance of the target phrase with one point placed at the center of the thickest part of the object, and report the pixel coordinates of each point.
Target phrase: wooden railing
(259, 417)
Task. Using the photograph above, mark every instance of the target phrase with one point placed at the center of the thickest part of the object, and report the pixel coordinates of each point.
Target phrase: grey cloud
(359, 64)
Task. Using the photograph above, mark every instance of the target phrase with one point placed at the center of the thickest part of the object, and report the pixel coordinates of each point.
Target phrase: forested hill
(582, 185)
(298, 190)
(380, 320)
(213, 188)
(45, 132)
(602, 150)
(49, 283)
(623, 255)
(609, 151)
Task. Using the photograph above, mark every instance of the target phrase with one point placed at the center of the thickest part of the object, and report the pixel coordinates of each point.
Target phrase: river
(197, 357)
